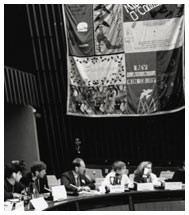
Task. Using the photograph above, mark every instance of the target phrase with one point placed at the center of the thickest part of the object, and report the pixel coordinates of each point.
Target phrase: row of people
(76, 180)
(73, 180)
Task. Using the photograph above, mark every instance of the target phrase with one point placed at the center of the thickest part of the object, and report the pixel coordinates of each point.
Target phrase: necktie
(78, 184)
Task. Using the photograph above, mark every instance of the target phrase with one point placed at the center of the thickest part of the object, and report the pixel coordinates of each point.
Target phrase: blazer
(9, 189)
(68, 178)
(27, 181)
(179, 175)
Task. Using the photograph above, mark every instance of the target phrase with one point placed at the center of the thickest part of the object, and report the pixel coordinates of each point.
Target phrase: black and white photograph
(94, 107)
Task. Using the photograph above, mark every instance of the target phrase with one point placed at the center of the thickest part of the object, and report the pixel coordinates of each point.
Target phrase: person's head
(78, 165)
(144, 165)
(39, 169)
(119, 167)
(14, 171)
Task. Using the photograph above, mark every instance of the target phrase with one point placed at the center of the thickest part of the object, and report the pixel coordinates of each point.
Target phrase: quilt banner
(124, 59)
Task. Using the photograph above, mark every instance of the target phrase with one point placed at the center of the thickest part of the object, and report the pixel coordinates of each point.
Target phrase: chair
(166, 174)
(52, 181)
(94, 173)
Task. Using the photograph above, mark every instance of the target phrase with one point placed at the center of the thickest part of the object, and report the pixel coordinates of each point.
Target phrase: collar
(75, 174)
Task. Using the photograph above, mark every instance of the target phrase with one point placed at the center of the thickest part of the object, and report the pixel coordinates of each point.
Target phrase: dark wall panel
(20, 135)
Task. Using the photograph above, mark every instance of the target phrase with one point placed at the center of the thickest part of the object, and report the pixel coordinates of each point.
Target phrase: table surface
(92, 199)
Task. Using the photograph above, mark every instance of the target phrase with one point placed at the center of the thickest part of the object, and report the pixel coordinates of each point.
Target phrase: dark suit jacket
(68, 178)
(9, 189)
(28, 182)
(179, 175)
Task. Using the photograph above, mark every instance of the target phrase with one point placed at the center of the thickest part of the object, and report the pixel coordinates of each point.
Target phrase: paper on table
(19, 206)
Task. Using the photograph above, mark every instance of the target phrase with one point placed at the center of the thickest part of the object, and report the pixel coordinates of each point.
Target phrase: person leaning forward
(75, 179)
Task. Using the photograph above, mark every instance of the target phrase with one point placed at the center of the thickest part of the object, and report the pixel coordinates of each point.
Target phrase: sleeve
(19, 187)
(154, 179)
(66, 182)
(7, 195)
(89, 183)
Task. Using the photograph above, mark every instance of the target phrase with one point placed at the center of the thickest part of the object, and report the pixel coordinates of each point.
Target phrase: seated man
(118, 176)
(179, 175)
(12, 187)
(75, 180)
(36, 178)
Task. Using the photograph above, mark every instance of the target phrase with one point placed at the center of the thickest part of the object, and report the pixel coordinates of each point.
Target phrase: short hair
(118, 165)
(38, 166)
(13, 167)
(77, 162)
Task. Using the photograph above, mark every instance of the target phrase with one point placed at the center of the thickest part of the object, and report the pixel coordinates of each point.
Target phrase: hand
(79, 189)
(146, 171)
(86, 188)
(16, 195)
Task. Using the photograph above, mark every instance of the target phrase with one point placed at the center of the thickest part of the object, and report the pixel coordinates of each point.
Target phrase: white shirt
(124, 179)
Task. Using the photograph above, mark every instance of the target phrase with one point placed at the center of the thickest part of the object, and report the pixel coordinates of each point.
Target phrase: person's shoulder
(112, 173)
(67, 173)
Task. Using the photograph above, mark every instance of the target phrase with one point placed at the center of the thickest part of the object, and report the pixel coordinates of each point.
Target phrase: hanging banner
(108, 31)
(124, 60)
(141, 83)
(79, 26)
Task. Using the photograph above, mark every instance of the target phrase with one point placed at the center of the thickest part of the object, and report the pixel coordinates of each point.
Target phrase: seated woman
(12, 185)
(143, 173)
(118, 176)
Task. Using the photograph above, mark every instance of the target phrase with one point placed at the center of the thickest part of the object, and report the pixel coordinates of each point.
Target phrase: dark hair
(38, 166)
(76, 162)
(118, 165)
(13, 167)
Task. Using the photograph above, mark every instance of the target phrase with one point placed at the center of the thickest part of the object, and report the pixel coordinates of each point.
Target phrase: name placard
(173, 185)
(19, 206)
(145, 186)
(39, 203)
(59, 193)
(8, 206)
(116, 188)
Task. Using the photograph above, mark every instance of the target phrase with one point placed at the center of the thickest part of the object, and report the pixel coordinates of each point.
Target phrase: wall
(20, 137)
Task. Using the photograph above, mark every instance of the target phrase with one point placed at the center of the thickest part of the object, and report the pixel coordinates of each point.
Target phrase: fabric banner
(79, 26)
(124, 60)
(108, 31)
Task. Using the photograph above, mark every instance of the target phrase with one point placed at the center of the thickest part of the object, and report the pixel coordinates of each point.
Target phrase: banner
(124, 60)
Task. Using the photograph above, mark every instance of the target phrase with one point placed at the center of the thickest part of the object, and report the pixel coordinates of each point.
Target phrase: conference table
(156, 200)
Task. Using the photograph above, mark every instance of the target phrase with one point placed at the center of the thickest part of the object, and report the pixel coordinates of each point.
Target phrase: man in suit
(179, 174)
(12, 185)
(75, 180)
(36, 179)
